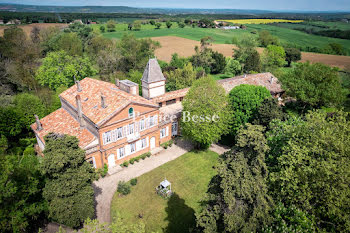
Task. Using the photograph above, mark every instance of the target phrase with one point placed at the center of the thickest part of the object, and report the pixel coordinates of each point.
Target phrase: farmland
(259, 21)
(185, 48)
(287, 36)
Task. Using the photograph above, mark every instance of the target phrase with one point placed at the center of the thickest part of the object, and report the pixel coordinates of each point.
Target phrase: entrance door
(111, 160)
(174, 129)
(153, 142)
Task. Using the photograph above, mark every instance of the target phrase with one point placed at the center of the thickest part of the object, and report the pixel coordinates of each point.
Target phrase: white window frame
(142, 125)
(131, 126)
(162, 133)
(121, 152)
(107, 137)
(152, 121)
(132, 114)
(143, 143)
(132, 146)
(119, 132)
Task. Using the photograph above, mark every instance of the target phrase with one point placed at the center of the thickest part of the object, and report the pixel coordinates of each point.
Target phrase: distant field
(28, 28)
(288, 36)
(259, 21)
(185, 48)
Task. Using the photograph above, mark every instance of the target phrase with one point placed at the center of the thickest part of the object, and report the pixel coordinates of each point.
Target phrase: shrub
(123, 188)
(132, 161)
(104, 171)
(125, 164)
(167, 144)
(148, 154)
(143, 156)
(133, 182)
(137, 158)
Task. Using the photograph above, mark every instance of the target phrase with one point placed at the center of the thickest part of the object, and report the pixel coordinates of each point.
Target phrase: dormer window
(131, 112)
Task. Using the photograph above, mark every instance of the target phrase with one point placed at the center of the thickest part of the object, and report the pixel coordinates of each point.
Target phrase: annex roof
(61, 122)
(153, 72)
(267, 80)
(171, 95)
(90, 94)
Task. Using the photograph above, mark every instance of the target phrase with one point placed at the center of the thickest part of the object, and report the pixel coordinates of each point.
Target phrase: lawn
(189, 175)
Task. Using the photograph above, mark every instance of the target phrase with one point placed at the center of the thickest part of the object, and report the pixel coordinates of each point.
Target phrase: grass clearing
(260, 21)
(189, 175)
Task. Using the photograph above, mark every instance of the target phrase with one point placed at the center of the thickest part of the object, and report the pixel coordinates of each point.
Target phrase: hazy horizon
(272, 5)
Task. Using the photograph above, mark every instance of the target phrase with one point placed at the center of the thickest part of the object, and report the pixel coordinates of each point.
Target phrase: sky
(304, 5)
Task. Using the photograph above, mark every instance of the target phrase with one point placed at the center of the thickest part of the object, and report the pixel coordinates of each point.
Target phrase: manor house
(114, 123)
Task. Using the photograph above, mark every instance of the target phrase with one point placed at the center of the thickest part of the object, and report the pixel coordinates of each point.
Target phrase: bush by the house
(125, 164)
(148, 154)
(167, 144)
(102, 172)
(123, 188)
(133, 182)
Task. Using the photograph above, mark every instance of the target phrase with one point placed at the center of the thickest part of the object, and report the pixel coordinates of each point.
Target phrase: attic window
(131, 112)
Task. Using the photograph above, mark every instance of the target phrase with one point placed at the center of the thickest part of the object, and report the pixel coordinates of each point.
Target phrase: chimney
(117, 82)
(78, 86)
(79, 110)
(103, 101)
(271, 79)
(244, 76)
(38, 124)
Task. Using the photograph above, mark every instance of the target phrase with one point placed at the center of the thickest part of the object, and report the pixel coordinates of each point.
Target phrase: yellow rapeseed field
(259, 21)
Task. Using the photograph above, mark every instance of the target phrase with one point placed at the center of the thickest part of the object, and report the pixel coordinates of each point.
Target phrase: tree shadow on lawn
(181, 217)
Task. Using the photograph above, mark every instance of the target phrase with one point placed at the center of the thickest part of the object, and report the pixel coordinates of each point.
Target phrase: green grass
(220, 76)
(288, 36)
(300, 39)
(189, 175)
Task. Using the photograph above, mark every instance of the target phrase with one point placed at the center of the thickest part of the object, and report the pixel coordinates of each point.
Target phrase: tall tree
(292, 55)
(232, 67)
(59, 69)
(245, 100)
(274, 57)
(247, 55)
(69, 42)
(135, 53)
(312, 168)
(315, 85)
(180, 78)
(68, 188)
(268, 111)
(22, 206)
(237, 199)
(265, 39)
(206, 114)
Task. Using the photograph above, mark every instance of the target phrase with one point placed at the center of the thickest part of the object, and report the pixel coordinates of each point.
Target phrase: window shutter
(146, 123)
(155, 119)
(136, 126)
(104, 138)
(138, 145)
(124, 131)
(94, 161)
(127, 149)
(118, 153)
(167, 131)
(147, 141)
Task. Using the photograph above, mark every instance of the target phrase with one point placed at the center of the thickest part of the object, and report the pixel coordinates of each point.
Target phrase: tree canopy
(245, 100)
(207, 102)
(60, 69)
(312, 169)
(237, 199)
(68, 189)
(315, 85)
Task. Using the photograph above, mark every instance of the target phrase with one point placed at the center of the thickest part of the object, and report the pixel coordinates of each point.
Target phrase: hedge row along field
(260, 21)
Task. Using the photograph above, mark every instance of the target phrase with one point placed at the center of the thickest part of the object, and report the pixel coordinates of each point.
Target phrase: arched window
(131, 112)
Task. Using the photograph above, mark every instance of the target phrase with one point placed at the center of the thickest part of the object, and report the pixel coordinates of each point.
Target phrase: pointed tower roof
(153, 72)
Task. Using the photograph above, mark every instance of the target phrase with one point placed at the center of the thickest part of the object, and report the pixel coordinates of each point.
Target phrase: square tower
(153, 81)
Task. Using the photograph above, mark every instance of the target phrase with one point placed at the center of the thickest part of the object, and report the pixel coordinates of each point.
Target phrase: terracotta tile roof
(90, 95)
(171, 95)
(262, 79)
(60, 121)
